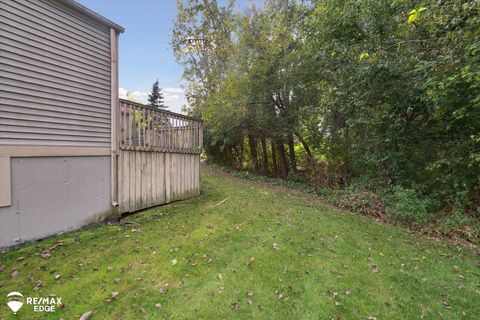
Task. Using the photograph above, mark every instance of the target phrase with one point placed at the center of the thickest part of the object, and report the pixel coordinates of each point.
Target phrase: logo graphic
(15, 301)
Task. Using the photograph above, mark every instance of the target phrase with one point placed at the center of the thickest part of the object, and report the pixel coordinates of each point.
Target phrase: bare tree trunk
(291, 149)
(306, 147)
(283, 160)
(274, 159)
(239, 155)
(265, 156)
(228, 156)
(253, 151)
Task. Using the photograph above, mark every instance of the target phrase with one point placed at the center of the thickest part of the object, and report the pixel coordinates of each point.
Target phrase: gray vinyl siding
(55, 76)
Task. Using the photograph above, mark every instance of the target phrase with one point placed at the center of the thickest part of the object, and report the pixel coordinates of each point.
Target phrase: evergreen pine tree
(155, 98)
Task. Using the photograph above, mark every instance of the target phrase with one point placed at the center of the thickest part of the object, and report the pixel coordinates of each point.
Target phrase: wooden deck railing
(150, 129)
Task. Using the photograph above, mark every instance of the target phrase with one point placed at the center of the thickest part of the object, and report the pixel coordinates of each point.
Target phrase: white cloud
(137, 96)
(122, 93)
(173, 97)
(173, 90)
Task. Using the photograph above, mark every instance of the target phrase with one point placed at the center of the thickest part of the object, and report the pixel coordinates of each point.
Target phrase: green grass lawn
(245, 250)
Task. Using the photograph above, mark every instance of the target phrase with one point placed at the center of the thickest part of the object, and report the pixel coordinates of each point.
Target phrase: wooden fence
(159, 156)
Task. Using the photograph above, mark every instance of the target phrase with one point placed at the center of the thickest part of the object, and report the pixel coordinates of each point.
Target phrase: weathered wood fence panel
(159, 160)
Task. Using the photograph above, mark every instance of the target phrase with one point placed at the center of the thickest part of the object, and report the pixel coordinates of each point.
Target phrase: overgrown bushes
(408, 207)
(338, 91)
(388, 204)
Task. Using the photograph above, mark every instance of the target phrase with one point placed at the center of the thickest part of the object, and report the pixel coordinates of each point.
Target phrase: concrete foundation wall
(51, 195)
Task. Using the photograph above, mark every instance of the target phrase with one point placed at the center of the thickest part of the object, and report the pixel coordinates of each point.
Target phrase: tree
(341, 89)
(131, 97)
(155, 98)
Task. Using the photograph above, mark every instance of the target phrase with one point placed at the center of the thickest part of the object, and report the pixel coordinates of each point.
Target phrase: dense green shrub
(408, 207)
(371, 94)
(296, 177)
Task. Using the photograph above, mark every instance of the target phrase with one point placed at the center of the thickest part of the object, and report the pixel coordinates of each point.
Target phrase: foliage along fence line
(381, 92)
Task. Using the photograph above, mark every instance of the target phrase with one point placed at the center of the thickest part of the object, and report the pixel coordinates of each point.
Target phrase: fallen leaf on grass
(85, 315)
(45, 254)
(158, 305)
(38, 284)
(57, 276)
(446, 304)
(14, 273)
(249, 301)
(56, 245)
(126, 222)
(174, 262)
(347, 292)
(112, 296)
(276, 246)
(250, 261)
(235, 305)
(220, 203)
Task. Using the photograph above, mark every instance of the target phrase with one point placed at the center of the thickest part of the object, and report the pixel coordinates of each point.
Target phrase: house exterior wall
(51, 195)
(55, 76)
(58, 93)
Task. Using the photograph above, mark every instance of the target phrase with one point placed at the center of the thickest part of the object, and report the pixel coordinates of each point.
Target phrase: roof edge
(92, 14)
